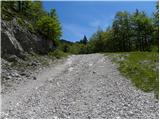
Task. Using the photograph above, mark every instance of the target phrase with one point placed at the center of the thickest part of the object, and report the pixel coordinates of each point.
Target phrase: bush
(58, 54)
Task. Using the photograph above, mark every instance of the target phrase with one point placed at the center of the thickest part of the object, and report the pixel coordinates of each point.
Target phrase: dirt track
(84, 86)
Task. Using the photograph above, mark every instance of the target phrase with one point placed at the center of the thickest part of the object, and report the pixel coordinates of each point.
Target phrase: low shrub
(58, 54)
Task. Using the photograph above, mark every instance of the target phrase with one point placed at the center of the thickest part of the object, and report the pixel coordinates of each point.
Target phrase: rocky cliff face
(17, 40)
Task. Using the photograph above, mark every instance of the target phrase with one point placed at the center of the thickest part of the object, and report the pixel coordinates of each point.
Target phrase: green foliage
(64, 45)
(58, 54)
(142, 29)
(84, 40)
(75, 48)
(156, 26)
(12, 9)
(78, 48)
(36, 11)
(7, 10)
(30, 28)
(21, 21)
(37, 19)
(141, 68)
(97, 42)
(129, 32)
(154, 48)
(49, 27)
(121, 31)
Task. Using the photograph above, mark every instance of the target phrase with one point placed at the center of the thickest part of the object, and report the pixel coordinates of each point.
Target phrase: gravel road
(84, 86)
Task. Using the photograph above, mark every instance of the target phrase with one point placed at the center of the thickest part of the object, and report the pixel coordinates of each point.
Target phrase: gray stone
(9, 44)
(34, 78)
(23, 73)
(16, 75)
(8, 77)
(32, 64)
(12, 58)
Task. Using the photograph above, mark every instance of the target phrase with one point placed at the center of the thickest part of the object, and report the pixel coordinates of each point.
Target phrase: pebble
(34, 78)
(8, 77)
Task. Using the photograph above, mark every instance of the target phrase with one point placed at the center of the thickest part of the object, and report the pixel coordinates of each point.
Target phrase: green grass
(141, 67)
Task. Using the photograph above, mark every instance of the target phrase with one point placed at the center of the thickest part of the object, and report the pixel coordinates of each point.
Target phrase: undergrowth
(58, 54)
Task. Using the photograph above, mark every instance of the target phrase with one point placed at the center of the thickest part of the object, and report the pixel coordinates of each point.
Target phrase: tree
(53, 14)
(84, 40)
(36, 11)
(109, 40)
(142, 29)
(96, 43)
(121, 31)
(156, 26)
(49, 27)
(128, 32)
(8, 5)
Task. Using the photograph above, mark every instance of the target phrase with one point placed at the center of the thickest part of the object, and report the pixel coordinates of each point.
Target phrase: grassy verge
(141, 68)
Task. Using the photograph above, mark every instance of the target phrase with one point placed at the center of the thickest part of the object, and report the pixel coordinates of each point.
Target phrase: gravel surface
(84, 86)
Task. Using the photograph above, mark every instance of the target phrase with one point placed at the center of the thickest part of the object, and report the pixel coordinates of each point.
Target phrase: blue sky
(84, 17)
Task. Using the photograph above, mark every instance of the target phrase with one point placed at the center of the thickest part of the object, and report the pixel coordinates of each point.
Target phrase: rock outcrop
(17, 39)
(9, 43)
